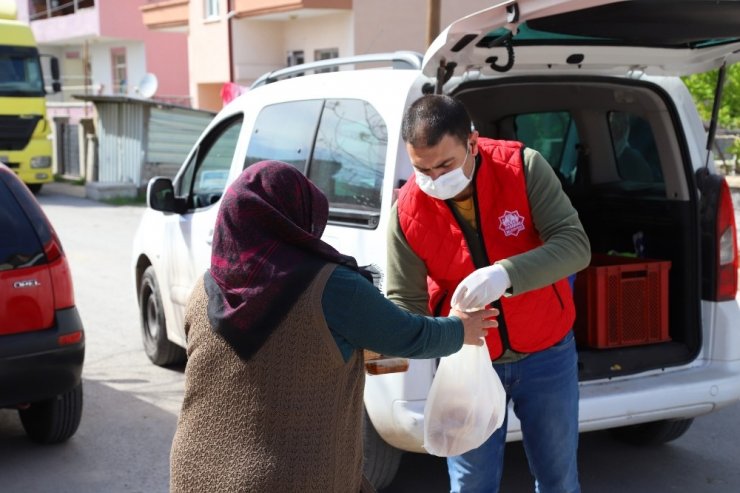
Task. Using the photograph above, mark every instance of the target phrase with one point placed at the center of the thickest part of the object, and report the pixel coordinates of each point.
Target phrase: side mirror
(160, 196)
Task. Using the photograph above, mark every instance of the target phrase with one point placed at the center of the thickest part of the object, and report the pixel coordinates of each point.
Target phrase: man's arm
(406, 273)
(566, 248)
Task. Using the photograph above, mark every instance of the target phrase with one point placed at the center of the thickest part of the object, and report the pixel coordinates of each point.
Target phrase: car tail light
(61, 277)
(71, 338)
(727, 255)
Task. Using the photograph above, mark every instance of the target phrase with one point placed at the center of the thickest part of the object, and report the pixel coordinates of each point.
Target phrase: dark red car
(42, 341)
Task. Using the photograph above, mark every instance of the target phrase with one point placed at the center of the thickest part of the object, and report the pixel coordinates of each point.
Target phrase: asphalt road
(131, 406)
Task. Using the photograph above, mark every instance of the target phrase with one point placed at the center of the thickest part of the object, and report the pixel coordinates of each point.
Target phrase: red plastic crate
(622, 301)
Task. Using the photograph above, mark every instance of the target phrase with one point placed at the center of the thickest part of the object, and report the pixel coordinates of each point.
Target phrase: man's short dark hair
(433, 116)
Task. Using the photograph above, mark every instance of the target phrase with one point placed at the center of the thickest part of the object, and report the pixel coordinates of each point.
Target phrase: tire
(35, 187)
(381, 460)
(53, 420)
(160, 350)
(654, 433)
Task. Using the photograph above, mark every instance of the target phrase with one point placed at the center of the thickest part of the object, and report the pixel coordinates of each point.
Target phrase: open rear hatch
(589, 36)
(504, 61)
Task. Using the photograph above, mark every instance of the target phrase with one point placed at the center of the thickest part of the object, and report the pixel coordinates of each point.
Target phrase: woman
(275, 373)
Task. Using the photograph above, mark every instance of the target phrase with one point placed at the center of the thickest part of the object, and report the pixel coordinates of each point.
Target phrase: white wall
(258, 48)
(101, 64)
(314, 33)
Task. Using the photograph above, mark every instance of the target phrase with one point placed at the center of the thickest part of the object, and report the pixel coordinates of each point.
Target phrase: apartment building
(236, 41)
(104, 48)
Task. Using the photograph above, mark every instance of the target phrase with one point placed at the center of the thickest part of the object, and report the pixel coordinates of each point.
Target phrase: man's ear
(473, 140)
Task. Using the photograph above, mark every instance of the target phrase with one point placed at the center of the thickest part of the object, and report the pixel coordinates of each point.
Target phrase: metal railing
(44, 9)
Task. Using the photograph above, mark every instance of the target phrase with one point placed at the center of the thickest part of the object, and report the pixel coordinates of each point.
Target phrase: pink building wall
(166, 52)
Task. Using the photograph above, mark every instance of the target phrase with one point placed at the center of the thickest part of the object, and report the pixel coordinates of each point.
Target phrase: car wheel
(35, 187)
(381, 460)
(53, 420)
(160, 350)
(654, 433)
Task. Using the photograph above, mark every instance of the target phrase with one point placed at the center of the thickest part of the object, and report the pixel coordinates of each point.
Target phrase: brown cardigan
(289, 419)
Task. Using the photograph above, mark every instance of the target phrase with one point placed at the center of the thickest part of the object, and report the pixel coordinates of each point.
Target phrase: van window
(284, 132)
(555, 136)
(634, 148)
(349, 157)
(205, 177)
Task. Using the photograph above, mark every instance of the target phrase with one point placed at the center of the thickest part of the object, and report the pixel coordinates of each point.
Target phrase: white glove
(480, 288)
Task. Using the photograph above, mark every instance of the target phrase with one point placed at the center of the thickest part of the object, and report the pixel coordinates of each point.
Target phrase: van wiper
(721, 74)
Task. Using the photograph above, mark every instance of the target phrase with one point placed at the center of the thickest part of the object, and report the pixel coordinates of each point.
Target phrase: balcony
(44, 9)
(287, 9)
(166, 14)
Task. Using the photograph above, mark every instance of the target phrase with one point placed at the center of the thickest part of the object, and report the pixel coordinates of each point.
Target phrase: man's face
(448, 155)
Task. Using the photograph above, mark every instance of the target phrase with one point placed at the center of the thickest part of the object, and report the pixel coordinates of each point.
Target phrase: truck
(25, 145)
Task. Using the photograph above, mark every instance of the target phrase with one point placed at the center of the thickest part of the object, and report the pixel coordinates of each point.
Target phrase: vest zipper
(560, 299)
(503, 331)
(438, 307)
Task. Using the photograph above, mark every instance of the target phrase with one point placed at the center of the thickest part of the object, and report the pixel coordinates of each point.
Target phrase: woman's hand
(476, 324)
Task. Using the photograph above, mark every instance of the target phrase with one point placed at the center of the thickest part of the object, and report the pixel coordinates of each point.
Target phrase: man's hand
(476, 324)
(480, 288)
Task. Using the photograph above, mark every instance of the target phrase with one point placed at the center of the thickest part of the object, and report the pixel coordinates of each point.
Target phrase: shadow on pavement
(109, 453)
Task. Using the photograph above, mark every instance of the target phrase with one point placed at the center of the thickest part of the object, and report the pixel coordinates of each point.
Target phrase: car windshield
(20, 72)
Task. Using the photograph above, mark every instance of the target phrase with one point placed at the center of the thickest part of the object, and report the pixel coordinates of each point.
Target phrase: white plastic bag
(466, 403)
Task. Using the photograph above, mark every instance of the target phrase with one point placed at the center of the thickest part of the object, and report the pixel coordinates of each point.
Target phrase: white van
(557, 75)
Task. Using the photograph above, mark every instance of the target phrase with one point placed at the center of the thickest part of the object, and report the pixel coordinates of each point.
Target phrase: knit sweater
(289, 419)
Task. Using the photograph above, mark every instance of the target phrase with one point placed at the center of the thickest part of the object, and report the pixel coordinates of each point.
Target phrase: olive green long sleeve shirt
(565, 249)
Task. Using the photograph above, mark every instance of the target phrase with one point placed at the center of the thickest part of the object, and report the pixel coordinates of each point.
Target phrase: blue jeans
(544, 388)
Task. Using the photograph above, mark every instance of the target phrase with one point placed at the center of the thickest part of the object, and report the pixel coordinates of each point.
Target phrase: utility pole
(433, 7)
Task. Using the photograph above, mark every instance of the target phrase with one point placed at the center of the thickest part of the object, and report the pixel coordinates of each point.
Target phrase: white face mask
(445, 186)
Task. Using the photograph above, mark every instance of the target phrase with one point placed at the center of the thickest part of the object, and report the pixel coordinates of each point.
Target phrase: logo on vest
(511, 223)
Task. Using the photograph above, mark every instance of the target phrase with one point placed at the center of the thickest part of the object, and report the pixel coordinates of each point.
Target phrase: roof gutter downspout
(229, 16)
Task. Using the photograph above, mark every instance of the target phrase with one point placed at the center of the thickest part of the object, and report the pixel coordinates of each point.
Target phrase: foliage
(702, 88)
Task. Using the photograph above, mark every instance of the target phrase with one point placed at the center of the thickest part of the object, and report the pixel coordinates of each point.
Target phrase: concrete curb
(62, 188)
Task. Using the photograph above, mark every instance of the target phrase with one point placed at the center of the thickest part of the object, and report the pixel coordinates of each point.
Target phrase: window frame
(184, 184)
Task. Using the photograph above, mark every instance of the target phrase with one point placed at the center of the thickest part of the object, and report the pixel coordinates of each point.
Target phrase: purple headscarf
(267, 249)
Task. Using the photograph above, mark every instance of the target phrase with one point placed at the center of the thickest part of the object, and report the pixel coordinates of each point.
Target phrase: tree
(702, 87)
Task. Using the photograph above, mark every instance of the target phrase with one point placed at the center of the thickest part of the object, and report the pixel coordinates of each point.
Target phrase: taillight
(377, 364)
(61, 277)
(727, 256)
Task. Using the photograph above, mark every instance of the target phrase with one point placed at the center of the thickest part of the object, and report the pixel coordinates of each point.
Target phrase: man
(485, 221)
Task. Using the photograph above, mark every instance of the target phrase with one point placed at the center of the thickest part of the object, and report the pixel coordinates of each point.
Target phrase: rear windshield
(19, 244)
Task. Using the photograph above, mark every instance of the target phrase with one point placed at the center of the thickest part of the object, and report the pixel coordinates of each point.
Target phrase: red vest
(534, 320)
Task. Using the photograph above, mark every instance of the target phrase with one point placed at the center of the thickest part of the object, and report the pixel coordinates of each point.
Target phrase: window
(326, 54)
(205, 178)
(19, 245)
(211, 9)
(634, 148)
(339, 144)
(20, 72)
(118, 60)
(285, 132)
(295, 57)
(555, 136)
(349, 158)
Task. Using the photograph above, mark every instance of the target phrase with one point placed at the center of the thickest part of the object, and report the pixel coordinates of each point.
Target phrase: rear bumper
(34, 367)
(679, 394)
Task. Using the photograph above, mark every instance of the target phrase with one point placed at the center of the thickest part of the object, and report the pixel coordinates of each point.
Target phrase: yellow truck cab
(24, 129)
